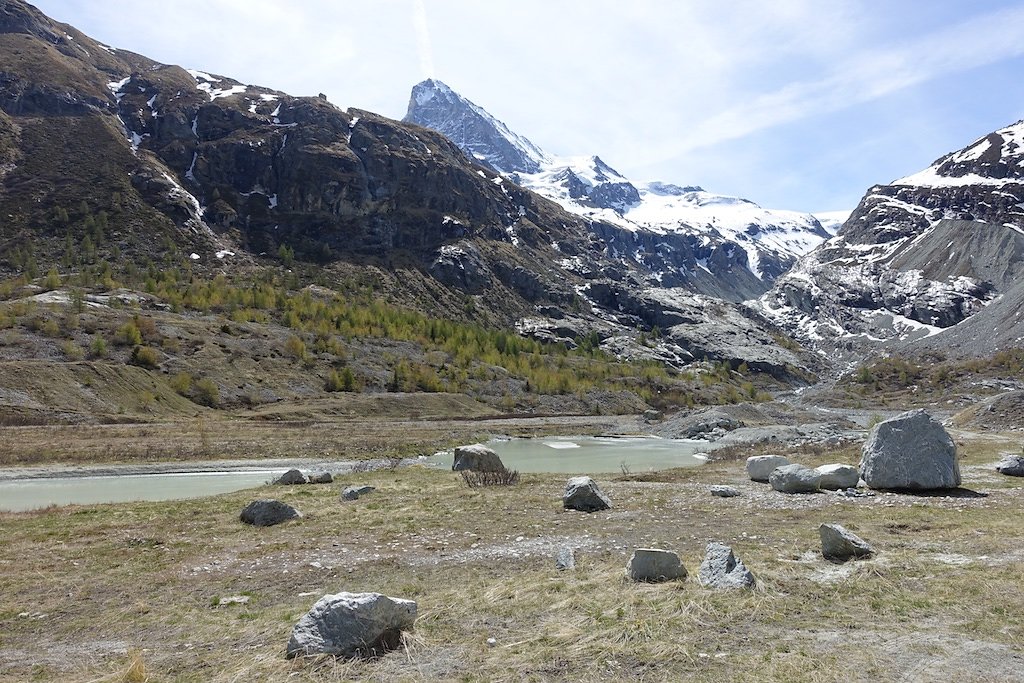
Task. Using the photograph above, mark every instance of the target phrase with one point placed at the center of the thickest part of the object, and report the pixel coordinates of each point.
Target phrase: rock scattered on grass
(651, 565)
(476, 457)
(721, 569)
(838, 544)
(1011, 466)
(723, 491)
(321, 478)
(352, 625)
(794, 479)
(838, 476)
(911, 451)
(760, 467)
(267, 512)
(582, 493)
(566, 559)
(291, 478)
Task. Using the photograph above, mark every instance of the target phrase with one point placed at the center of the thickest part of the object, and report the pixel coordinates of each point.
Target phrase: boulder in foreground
(476, 457)
(268, 512)
(651, 565)
(760, 467)
(795, 479)
(352, 625)
(582, 493)
(1011, 466)
(911, 451)
(721, 569)
(839, 544)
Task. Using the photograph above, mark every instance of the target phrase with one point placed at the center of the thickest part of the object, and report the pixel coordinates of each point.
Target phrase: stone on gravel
(794, 479)
(759, 467)
(321, 478)
(267, 512)
(651, 565)
(582, 493)
(839, 544)
(352, 625)
(838, 476)
(354, 492)
(910, 451)
(723, 491)
(476, 457)
(292, 477)
(721, 569)
(566, 559)
(1011, 466)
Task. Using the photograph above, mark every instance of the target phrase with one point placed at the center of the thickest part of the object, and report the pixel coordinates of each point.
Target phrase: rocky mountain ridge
(110, 159)
(682, 236)
(918, 258)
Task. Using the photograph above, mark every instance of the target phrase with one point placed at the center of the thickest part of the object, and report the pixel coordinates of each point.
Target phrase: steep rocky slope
(685, 237)
(111, 161)
(919, 258)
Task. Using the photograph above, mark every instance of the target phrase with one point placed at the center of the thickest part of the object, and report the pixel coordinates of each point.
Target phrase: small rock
(652, 415)
(266, 512)
(350, 493)
(839, 545)
(566, 559)
(476, 457)
(1011, 466)
(651, 565)
(838, 476)
(491, 642)
(721, 569)
(363, 490)
(759, 467)
(233, 600)
(582, 493)
(794, 479)
(351, 625)
(723, 491)
(854, 493)
(292, 477)
(321, 478)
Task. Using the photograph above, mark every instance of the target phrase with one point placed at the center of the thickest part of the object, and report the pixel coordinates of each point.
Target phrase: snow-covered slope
(770, 240)
(917, 256)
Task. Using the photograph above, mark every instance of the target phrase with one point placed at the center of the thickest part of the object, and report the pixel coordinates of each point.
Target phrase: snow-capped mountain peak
(481, 136)
(590, 187)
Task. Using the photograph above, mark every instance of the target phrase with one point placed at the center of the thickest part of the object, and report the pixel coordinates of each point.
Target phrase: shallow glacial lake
(591, 454)
(30, 494)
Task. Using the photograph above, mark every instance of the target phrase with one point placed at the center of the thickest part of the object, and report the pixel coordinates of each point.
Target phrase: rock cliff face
(676, 236)
(918, 256)
(108, 155)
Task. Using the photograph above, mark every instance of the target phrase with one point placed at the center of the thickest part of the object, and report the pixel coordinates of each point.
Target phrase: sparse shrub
(295, 347)
(340, 381)
(50, 328)
(146, 327)
(206, 393)
(72, 351)
(503, 477)
(181, 383)
(128, 335)
(52, 279)
(98, 347)
(146, 357)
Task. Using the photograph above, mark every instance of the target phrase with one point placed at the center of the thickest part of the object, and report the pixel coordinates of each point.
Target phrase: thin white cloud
(872, 74)
(423, 46)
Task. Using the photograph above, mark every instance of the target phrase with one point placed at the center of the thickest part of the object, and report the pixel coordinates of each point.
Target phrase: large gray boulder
(794, 479)
(759, 467)
(266, 512)
(582, 493)
(721, 569)
(476, 457)
(838, 544)
(352, 625)
(1011, 466)
(651, 565)
(910, 451)
(292, 477)
(835, 477)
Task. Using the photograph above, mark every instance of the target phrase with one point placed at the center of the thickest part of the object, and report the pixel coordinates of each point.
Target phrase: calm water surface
(591, 454)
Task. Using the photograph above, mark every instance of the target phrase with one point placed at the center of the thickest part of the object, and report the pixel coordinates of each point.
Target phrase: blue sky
(796, 104)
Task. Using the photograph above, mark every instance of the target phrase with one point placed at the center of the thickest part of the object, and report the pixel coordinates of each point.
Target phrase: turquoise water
(591, 454)
(31, 494)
